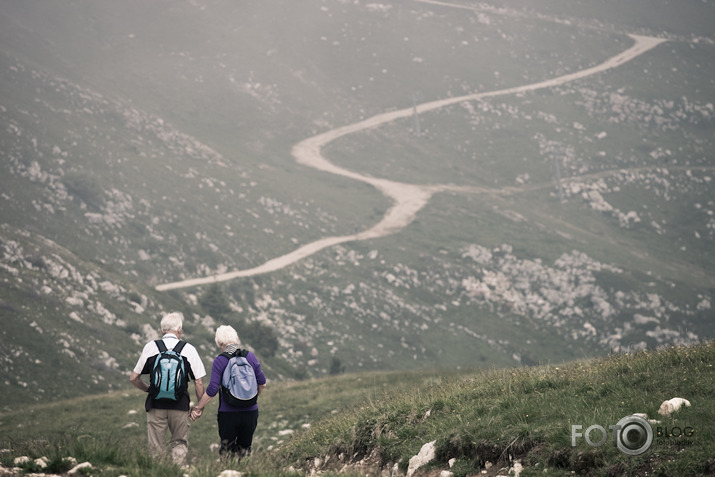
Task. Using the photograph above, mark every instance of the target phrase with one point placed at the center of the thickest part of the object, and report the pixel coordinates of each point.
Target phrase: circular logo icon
(633, 435)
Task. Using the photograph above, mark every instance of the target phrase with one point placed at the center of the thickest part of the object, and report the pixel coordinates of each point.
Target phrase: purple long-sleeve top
(219, 364)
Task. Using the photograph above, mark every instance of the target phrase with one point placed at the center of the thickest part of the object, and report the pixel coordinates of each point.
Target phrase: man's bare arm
(136, 380)
(199, 386)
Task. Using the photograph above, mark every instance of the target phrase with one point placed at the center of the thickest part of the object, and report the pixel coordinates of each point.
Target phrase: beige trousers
(177, 422)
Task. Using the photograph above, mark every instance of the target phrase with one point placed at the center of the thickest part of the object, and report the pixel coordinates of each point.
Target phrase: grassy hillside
(150, 142)
(353, 424)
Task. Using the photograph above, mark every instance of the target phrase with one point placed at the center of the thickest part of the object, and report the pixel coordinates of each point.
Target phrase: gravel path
(407, 199)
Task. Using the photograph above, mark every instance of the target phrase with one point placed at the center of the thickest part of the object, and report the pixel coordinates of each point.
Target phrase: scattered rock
(230, 473)
(426, 454)
(78, 467)
(643, 415)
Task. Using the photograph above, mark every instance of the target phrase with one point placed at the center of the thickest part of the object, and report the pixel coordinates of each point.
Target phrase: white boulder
(426, 454)
(672, 405)
(76, 469)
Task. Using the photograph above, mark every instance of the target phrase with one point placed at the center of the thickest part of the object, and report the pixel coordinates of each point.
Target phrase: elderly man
(171, 414)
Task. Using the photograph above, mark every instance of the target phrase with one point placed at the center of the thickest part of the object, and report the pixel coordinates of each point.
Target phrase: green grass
(117, 421)
(527, 414)
(382, 419)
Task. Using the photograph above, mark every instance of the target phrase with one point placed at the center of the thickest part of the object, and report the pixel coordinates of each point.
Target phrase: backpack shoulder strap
(179, 346)
(160, 344)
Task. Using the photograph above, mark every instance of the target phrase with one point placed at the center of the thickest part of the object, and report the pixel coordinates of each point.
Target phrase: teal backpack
(168, 379)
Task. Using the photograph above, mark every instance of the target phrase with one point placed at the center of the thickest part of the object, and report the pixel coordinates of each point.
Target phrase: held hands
(195, 413)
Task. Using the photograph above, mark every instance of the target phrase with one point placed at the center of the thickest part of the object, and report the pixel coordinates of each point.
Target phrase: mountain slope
(151, 143)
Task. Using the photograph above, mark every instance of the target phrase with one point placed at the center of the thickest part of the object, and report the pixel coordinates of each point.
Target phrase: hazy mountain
(148, 143)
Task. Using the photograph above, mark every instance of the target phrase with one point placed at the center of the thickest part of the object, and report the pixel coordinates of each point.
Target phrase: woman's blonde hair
(226, 335)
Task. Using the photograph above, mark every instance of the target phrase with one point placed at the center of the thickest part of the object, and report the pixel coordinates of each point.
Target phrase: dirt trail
(408, 199)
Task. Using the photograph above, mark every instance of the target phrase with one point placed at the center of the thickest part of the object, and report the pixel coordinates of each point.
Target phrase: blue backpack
(168, 378)
(238, 383)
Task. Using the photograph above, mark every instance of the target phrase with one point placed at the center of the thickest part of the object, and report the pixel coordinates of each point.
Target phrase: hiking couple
(171, 363)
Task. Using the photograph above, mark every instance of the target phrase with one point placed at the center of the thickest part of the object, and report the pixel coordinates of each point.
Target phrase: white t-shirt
(170, 340)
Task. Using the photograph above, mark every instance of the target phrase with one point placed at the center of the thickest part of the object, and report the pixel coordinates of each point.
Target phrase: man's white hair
(226, 335)
(171, 322)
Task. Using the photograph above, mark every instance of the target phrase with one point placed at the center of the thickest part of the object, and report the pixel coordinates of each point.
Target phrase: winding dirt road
(407, 199)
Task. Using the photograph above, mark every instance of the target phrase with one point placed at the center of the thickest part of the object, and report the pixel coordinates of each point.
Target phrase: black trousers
(236, 432)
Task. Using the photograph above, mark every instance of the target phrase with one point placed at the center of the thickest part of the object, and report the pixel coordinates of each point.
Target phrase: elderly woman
(236, 425)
